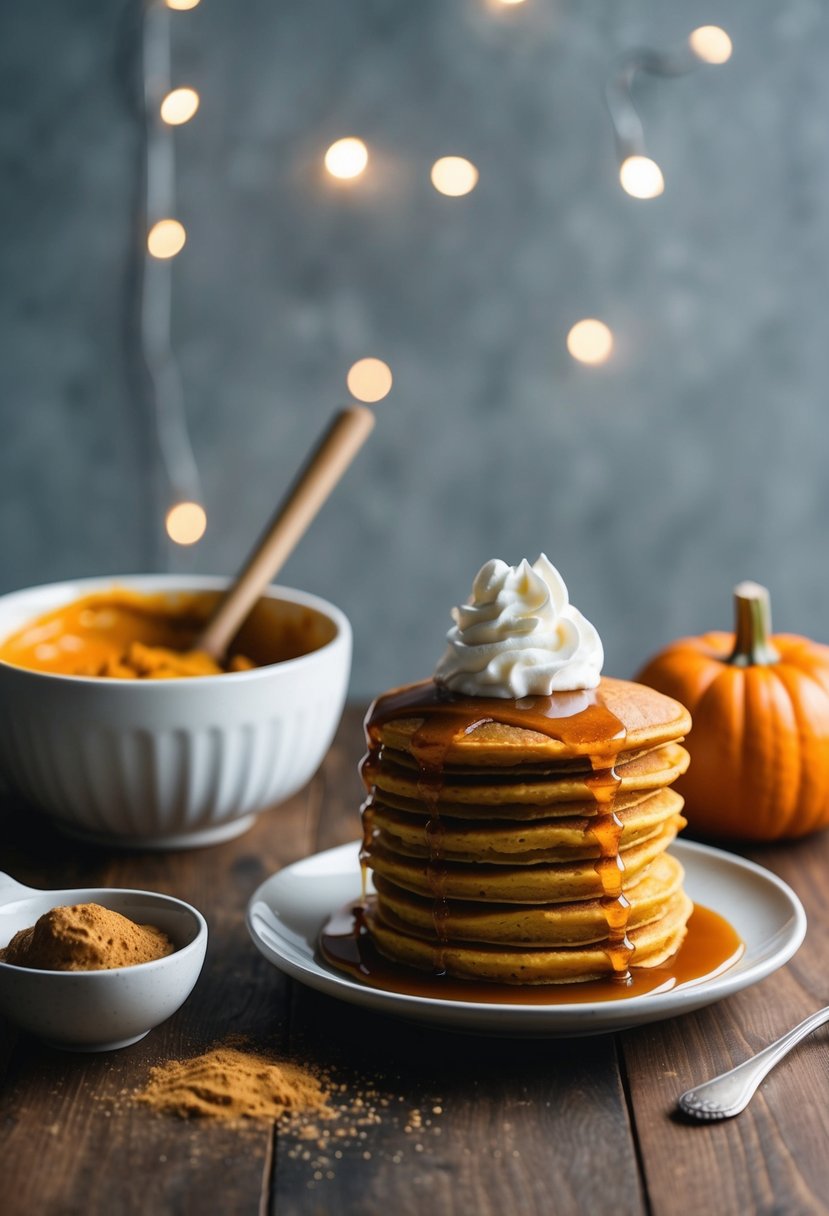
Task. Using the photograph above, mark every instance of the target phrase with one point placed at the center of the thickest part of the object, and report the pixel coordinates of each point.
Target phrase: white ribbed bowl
(167, 763)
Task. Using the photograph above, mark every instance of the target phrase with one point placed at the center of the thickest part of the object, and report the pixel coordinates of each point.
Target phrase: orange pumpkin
(760, 738)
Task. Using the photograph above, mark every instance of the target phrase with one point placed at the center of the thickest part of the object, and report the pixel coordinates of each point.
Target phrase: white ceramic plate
(285, 916)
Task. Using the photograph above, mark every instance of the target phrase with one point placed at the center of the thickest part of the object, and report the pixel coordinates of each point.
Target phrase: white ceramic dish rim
(170, 584)
(551, 1020)
(73, 895)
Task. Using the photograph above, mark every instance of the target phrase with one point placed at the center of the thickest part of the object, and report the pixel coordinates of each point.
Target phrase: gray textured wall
(697, 456)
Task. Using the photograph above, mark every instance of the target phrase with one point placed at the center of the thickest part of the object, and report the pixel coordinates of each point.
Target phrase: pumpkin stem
(752, 642)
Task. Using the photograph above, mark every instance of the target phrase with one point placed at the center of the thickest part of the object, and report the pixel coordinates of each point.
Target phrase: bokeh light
(347, 158)
(369, 380)
(454, 175)
(182, 5)
(166, 238)
(590, 341)
(179, 106)
(711, 44)
(641, 177)
(186, 523)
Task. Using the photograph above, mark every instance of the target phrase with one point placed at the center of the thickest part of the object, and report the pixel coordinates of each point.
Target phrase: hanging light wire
(166, 397)
(627, 125)
(641, 176)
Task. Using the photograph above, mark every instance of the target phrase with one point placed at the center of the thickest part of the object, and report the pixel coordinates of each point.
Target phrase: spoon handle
(728, 1094)
(326, 465)
(10, 890)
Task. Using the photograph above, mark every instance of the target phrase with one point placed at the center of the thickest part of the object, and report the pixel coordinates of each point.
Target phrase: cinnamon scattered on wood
(227, 1083)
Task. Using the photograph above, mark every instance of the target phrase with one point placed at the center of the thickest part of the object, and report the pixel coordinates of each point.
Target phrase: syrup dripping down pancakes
(524, 841)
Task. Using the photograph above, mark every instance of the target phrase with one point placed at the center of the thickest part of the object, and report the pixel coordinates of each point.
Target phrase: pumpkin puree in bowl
(123, 634)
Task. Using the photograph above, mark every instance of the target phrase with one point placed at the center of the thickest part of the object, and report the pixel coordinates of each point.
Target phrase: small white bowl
(99, 1010)
(170, 764)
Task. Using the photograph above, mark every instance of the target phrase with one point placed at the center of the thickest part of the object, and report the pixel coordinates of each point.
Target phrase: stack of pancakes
(516, 855)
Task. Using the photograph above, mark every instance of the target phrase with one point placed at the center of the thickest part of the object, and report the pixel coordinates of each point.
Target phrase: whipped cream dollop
(519, 636)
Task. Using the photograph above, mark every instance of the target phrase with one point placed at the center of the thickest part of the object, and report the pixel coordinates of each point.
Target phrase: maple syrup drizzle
(367, 818)
(580, 720)
(606, 830)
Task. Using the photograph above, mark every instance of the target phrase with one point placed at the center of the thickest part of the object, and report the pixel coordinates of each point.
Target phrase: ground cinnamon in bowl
(85, 937)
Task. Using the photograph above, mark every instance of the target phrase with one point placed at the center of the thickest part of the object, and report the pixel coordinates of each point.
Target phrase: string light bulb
(182, 6)
(369, 380)
(454, 176)
(641, 177)
(166, 238)
(179, 106)
(346, 158)
(186, 523)
(711, 44)
(590, 341)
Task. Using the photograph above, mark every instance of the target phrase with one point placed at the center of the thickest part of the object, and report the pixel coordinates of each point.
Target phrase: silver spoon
(727, 1095)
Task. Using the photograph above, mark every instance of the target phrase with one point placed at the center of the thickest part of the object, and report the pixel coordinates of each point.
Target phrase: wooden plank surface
(506, 1126)
(773, 1158)
(529, 1126)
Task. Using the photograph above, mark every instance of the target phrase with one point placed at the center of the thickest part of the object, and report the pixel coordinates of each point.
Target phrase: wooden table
(583, 1126)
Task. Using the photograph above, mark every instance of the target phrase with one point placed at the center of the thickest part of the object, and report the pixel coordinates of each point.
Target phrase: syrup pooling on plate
(580, 720)
(710, 948)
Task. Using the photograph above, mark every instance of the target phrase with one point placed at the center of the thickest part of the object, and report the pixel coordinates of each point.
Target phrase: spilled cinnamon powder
(324, 1118)
(85, 937)
(228, 1083)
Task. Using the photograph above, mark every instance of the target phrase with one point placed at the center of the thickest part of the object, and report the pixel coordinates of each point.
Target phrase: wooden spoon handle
(325, 466)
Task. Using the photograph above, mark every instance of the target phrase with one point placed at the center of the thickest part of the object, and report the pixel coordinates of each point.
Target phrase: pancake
(557, 882)
(515, 812)
(647, 717)
(652, 944)
(507, 842)
(482, 788)
(566, 924)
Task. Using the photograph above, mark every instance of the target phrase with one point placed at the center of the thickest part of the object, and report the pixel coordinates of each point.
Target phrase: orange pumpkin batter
(121, 634)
